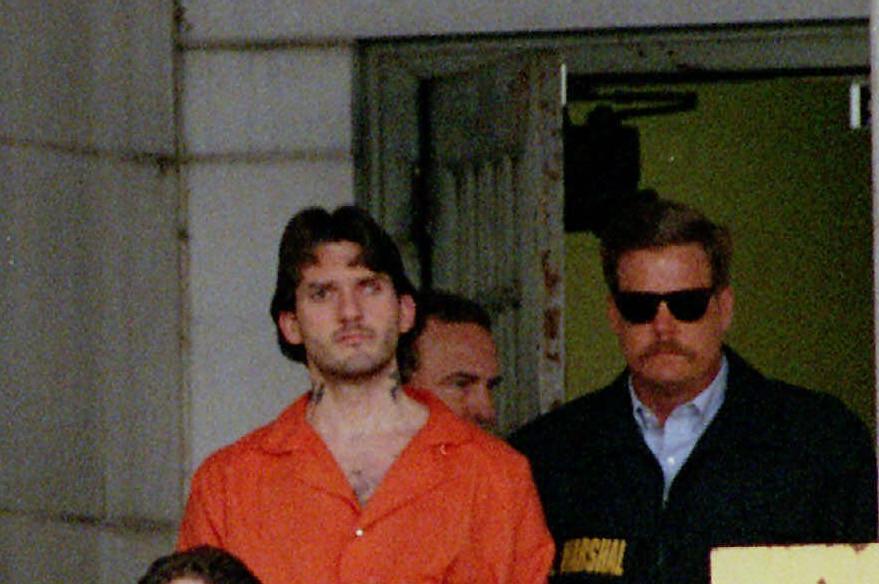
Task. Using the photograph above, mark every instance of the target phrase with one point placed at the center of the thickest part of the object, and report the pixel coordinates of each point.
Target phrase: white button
(671, 460)
(358, 532)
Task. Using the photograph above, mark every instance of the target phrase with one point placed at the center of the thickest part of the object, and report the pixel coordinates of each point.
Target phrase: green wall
(776, 161)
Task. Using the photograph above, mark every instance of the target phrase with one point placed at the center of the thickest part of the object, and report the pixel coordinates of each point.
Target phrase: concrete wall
(90, 369)
(266, 133)
(320, 19)
(139, 223)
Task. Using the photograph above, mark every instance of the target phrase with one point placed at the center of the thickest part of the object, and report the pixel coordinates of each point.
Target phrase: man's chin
(666, 374)
(664, 363)
(357, 368)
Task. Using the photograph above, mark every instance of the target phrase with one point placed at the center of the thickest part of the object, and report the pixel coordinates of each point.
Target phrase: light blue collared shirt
(672, 443)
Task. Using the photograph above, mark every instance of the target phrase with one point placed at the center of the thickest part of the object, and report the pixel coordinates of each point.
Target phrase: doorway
(725, 65)
(773, 156)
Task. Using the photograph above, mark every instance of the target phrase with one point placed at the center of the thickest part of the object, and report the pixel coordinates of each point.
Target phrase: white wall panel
(36, 550)
(138, 352)
(126, 556)
(252, 102)
(90, 370)
(273, 19)
(237, 213)
(94, 74)
(48, 552)
(48, 375)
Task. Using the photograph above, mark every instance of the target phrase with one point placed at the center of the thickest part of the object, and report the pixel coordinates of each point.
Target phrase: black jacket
(778, 464)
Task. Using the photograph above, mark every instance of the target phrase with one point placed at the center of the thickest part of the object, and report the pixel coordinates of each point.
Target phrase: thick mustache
(666, 347)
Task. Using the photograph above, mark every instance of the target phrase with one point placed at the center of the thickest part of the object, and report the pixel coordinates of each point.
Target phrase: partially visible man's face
(348, 317)
(458, 362)
(668, 355)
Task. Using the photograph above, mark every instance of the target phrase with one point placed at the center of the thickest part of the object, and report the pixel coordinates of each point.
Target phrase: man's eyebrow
(460, 376)
(317, 284)
(359, 261)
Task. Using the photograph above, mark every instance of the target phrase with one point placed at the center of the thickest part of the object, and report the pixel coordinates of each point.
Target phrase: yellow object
(796, 564)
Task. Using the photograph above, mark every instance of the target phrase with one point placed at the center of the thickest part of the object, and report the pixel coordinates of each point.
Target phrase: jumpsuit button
(358, 532)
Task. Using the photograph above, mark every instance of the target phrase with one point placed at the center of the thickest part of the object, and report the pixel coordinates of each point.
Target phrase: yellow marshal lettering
(593, 554)
(592, 548)
(602, 559)
(615, 557)
(571, 556)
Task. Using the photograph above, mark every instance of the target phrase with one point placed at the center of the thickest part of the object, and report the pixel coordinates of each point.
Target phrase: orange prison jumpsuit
(458, 506)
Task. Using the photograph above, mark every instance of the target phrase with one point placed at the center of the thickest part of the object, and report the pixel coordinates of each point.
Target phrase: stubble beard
(362, 364)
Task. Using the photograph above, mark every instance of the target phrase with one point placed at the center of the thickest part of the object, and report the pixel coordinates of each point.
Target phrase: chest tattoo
(366, 464)
(363, 484)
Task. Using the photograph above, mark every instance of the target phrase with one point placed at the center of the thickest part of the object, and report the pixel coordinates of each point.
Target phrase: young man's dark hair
(659, 223)
(206, 564)
(444, 307)
(314, 226)
(353, 481)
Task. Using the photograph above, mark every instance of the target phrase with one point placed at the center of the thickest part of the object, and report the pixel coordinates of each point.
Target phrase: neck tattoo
(317, 393)
(397, 386)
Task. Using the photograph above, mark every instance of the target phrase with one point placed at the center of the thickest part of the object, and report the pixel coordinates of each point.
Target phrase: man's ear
(407, 313)
(289, 327)
(613, 315)
(726, 299)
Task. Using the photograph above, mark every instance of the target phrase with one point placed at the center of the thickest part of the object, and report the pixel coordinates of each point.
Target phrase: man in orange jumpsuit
(361, 480)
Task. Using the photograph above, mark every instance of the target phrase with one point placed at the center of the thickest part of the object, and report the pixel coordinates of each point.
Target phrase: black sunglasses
(685, 305)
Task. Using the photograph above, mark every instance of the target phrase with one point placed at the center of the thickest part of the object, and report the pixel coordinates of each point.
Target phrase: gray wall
(136, 271)
(316, 19)
(266, 133)
(90, 364)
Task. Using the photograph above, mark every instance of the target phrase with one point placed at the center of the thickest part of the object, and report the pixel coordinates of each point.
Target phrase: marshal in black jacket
(778, 464)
